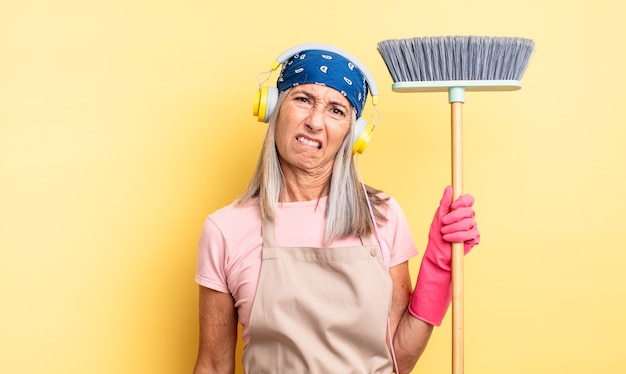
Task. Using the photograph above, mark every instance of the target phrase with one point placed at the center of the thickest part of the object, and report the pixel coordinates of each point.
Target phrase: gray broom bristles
(453, 58)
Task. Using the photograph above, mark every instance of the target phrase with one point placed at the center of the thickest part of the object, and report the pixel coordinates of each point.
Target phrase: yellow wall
(123, 123)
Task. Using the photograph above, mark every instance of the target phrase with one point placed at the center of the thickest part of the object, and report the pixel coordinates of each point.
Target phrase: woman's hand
(453, 222)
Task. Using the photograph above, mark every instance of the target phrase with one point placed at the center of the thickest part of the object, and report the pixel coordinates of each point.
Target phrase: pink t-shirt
(230, 247)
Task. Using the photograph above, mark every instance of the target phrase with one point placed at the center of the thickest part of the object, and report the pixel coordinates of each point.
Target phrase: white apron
(319, 310)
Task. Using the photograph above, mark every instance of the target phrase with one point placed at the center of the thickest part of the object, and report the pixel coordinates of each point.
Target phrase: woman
(297, 260)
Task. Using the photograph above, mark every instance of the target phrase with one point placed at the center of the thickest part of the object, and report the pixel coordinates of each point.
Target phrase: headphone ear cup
(265, 102)
(362, 135)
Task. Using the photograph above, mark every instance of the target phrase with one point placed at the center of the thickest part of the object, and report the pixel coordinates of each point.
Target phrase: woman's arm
(410, 335)
(218, 333)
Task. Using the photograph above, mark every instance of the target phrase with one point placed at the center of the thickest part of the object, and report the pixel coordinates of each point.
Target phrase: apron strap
(267, 233)
(368, 240)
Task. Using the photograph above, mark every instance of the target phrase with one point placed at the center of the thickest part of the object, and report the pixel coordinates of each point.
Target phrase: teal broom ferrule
(456, 95)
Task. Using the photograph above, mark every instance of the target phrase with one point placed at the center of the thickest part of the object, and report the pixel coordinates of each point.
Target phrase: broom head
(478, 63)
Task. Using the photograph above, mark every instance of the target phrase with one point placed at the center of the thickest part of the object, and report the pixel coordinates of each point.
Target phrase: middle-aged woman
(317, 286)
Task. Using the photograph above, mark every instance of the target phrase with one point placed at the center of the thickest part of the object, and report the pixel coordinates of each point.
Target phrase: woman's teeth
(311, 143)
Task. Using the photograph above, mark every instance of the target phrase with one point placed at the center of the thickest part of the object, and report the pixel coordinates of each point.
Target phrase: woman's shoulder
(237, 218)
(385, 199)
(389, 206)
(237, 209)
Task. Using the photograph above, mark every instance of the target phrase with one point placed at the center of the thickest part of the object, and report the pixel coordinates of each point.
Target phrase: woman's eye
(303, 102)
(337, 112)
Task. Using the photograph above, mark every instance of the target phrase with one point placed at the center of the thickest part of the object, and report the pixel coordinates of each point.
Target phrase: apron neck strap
(267, 233)
(368, 240)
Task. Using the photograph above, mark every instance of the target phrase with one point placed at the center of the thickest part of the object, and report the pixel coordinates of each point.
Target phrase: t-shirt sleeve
(212, 258)
(398, 235)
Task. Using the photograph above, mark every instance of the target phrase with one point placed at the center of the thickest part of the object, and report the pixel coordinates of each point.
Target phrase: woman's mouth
(309, 142)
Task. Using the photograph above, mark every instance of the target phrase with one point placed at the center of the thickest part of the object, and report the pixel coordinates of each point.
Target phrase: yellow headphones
(266, 97)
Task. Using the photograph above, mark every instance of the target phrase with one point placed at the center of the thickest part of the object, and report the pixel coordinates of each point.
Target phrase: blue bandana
(328, 69)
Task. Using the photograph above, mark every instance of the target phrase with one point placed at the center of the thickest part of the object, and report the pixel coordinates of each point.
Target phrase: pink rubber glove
(453, 222)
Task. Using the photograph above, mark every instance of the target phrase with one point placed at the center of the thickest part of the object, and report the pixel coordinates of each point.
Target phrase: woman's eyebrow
(303, 92)
(309, 95)
(337, 103)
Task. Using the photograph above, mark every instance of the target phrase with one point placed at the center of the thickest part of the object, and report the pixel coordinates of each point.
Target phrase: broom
(456, 64)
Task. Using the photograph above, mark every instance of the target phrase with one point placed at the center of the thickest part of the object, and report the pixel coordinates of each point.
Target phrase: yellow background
(124, 123)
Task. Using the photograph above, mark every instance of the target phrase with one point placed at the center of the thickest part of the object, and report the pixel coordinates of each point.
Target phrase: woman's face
(311, 126)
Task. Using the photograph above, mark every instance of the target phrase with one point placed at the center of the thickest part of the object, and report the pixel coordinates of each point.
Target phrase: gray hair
(347, 212)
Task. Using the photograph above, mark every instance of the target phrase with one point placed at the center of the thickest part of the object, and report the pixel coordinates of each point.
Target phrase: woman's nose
(316, 118)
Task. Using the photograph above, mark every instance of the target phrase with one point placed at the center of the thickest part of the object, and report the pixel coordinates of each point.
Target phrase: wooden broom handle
(457, 248)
